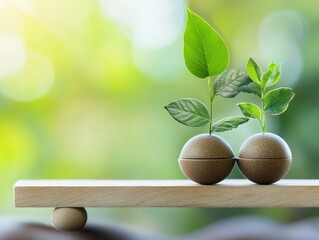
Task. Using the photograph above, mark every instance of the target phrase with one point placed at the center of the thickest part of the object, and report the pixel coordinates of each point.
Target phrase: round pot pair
(264, 158)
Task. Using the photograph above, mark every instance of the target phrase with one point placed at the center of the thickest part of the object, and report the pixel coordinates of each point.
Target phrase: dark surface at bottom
(243, 228)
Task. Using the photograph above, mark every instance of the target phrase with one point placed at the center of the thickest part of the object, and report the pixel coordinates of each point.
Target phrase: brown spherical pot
(206, 159)
(264, 158)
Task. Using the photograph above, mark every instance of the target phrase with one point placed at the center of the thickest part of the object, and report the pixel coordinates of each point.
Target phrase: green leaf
(205, 52)
(228, 83)
(250, 110)
(273, 74)
(251, 88)
(228, 124)
(277, 100)
(189, 111)
(254, 71)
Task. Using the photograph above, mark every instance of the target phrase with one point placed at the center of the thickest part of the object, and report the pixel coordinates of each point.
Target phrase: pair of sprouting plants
(207, 56)
(206, 158)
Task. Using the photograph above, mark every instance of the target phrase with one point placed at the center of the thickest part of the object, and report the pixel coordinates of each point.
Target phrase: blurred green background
(83, 85)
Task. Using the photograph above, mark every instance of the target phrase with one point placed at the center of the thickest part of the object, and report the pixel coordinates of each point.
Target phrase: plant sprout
(275, 101)
(206, 56)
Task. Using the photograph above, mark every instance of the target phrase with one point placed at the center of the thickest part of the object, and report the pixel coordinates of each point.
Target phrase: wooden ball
(69, 219)
(264, 158)
(206, 159)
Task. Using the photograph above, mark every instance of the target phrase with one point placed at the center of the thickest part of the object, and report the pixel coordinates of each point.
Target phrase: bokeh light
(153, 24)
(154, 27)
(12, 54)
(32, 82)
(281, 38)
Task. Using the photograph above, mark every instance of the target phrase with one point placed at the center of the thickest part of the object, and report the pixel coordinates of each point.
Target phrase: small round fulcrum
(69, 219)
(264, 158)
(206, 159)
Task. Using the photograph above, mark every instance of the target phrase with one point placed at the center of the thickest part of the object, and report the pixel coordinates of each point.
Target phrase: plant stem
(211, 99)
(263, 114)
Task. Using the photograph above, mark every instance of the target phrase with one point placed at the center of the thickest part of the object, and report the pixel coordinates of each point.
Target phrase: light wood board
(164, 193)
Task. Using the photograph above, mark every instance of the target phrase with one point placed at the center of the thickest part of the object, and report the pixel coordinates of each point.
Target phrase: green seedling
(206, 56)
(275, 101)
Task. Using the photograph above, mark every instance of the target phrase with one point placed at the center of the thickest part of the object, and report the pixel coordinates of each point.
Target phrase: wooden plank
(164, 193)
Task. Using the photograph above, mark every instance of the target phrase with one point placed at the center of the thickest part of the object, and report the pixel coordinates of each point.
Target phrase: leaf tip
(189, 12)
(251, 61)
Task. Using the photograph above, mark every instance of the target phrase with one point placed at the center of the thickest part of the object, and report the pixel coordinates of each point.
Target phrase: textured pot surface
(206, 159)
(206, 146)
(264, 145)
(206, 171)
(264, 171)
(264, 158)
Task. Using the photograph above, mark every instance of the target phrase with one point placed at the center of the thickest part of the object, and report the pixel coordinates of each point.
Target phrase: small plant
(265, 158)
(206, 56)
(275, 101)
(207, 158)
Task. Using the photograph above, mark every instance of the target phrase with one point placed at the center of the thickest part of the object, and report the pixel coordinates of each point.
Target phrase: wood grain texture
(164, 193)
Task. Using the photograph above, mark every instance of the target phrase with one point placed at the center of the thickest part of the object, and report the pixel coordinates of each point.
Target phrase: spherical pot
(264, 158)
(206, 159)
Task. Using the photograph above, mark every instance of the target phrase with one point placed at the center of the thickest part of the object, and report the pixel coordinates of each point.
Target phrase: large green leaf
(254, 71)
(273, 74)
(229, 82)
(189, 111)
(277, 100)
(205, 52)
(228, 124)
(252, 87)
(250, 110)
